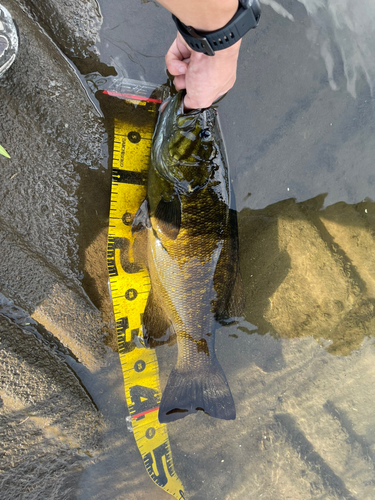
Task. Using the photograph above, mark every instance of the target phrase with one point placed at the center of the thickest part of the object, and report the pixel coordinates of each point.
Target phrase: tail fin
(189, 391)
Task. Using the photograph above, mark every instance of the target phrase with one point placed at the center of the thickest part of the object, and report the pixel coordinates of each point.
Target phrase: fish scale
(192, 254)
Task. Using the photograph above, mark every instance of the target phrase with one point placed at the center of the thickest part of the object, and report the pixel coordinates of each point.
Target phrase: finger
(176, 67)
(179, 82)
(175, 59)
(182, 46)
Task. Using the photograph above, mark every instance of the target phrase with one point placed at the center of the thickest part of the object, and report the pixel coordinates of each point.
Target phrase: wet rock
(74, 27)
(97, 286)
(72, 318)
(54, 135)
(52, 299)
(49, 426)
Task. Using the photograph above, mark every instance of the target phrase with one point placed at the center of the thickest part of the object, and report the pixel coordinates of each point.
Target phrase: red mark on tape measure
(130, 96)
(144, 413)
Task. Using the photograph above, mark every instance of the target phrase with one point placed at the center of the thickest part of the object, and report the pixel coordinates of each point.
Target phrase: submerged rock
(310, 272)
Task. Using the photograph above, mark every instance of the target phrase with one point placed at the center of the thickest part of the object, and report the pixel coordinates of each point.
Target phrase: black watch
(246, 18)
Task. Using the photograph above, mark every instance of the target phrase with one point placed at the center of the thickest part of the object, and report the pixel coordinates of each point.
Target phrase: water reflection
(348, 26)
(344, 26)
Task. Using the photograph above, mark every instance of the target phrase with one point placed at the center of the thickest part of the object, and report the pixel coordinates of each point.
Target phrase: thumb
(176, 67)
(176, 61)
(197, 102)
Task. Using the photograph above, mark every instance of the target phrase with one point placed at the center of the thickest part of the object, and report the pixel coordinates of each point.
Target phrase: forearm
(203, 15)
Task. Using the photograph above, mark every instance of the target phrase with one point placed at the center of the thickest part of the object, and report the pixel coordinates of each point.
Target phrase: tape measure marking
(130, 96)
(130, 177)
(130, 287)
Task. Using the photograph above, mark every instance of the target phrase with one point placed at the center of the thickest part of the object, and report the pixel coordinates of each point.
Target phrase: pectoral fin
(168, 217)
(141, 219)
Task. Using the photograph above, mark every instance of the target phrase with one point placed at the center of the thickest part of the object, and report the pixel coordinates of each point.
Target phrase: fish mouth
(178, 107)
(174, 105)
(164, 104)
(178, 102)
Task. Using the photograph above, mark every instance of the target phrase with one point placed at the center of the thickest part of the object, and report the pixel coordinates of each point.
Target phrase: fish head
(185, 145)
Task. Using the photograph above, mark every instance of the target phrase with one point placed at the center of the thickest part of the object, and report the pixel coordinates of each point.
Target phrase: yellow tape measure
(130, 286)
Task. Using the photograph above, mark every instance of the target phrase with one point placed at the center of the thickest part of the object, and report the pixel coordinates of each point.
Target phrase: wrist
(208, 15)
(228, 53)
(245, 18)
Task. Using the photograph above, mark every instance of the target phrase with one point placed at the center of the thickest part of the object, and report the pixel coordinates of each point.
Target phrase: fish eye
(205, 133)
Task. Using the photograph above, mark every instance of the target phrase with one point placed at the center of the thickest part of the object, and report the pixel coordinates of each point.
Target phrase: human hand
(205, 78)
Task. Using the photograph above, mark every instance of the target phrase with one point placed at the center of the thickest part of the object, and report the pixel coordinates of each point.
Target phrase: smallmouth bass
(192, 254)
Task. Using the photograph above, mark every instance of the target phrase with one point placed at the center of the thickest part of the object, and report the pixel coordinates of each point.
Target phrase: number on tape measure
(123, 245)
(134, 137)
(131, 294)
(156, 458)
(130, 286)
(143, 399)
(139, 366)
(150, 433)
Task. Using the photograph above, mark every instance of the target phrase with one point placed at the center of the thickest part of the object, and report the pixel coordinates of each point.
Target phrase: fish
(192, 254)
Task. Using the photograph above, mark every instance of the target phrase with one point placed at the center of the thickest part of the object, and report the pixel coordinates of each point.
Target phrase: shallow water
(299, 128)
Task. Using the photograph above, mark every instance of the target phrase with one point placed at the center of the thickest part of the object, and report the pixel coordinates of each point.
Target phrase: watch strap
(245, 19)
